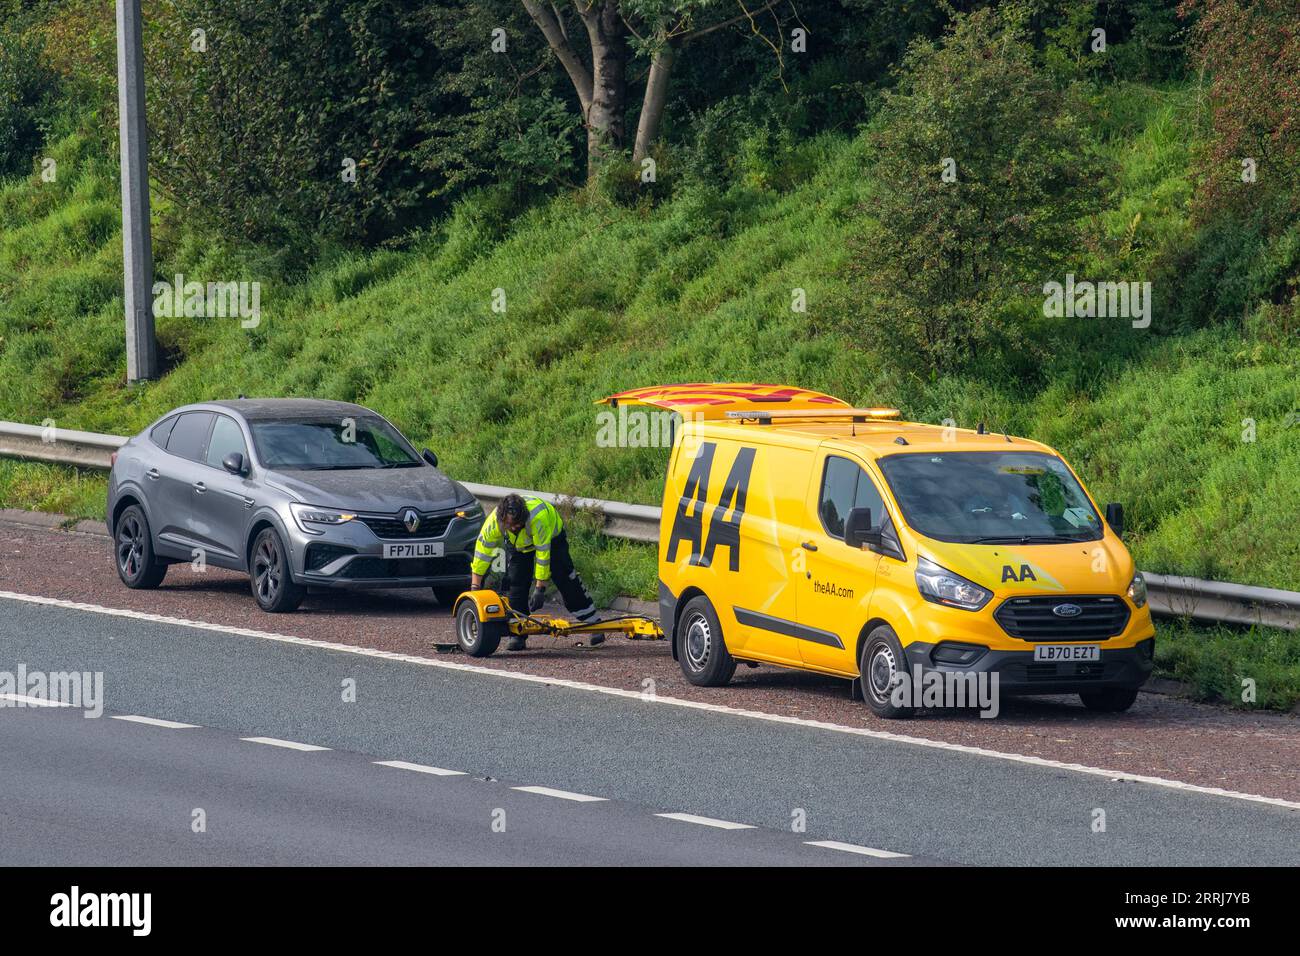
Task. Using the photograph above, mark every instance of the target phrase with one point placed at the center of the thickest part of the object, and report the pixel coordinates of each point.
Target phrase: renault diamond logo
(411, 519)
(1067, 610)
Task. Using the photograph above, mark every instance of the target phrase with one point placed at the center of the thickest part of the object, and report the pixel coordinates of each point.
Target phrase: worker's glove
(536, 599)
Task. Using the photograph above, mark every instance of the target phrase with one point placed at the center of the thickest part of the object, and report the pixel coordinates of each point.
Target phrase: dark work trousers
(519, 579)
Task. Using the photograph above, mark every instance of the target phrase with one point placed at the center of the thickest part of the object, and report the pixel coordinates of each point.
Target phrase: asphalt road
(79, 790)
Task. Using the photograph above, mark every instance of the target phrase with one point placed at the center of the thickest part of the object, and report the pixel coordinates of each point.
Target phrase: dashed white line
(854, 848)
(637, 695)
(561, 794)
(154, 721)
(420, 768)
(706, 821)
(34, 701)
(276, 742)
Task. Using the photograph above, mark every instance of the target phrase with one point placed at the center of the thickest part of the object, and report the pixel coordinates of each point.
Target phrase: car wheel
(273, 585)
(701, 648)
(477, 638)
(447, 593)
(133, 549)
(1109, 701)
(881, 666)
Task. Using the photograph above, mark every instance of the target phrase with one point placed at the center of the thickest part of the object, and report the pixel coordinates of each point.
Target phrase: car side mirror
(235, 464)
(1115, 518)
(430, 457)
(858, 530)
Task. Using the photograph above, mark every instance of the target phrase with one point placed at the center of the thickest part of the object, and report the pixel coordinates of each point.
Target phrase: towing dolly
(484, 617)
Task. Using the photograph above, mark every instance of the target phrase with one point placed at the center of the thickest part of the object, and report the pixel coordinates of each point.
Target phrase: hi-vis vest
(543, 524)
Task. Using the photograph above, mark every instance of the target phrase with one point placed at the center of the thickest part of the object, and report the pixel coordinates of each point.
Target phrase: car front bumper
(351, 556)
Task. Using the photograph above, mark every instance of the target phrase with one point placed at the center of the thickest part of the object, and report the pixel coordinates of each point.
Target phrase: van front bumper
(1019, 674)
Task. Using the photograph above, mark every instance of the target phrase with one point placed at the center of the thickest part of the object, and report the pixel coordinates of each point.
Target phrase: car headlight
(941, 586)
(471, 511)
(314, 520)
(1137, 590)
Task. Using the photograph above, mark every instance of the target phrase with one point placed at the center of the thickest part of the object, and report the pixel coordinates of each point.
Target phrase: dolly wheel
(476, 638)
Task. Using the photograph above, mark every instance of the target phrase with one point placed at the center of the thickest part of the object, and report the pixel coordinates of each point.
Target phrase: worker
(537, 550)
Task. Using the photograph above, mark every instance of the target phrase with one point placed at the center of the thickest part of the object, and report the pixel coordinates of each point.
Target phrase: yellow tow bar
(484, 617)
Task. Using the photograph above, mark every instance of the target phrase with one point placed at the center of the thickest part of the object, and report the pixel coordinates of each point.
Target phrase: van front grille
(1036, 618)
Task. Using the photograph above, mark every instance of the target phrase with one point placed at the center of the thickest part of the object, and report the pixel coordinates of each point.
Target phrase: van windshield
(979, 497)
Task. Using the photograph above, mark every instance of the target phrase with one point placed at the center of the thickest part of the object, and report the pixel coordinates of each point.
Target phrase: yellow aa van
(800, 531)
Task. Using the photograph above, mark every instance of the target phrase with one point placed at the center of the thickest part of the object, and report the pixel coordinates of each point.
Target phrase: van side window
(846, 486)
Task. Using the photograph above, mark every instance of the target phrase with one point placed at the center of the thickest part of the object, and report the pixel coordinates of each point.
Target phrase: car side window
(190, 434)
(846, 486)
(226, 439)
(162, 431)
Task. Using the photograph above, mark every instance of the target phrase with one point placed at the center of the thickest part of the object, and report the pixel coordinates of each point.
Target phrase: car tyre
(881, 666)
(477, 638)
(701, 647)
(272, 582)
(137, 565)
(1110, 701)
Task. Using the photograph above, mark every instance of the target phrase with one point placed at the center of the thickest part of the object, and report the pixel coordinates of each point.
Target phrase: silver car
(298, 493)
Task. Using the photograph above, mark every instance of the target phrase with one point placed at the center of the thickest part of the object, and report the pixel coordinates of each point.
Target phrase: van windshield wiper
(1029, 539)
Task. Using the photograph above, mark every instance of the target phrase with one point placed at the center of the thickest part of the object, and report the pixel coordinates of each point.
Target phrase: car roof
(264, 409)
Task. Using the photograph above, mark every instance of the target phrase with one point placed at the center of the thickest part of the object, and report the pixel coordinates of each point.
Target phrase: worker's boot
(517, 643)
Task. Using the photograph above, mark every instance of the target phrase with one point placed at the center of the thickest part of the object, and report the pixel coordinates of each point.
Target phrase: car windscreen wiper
(1030, 539)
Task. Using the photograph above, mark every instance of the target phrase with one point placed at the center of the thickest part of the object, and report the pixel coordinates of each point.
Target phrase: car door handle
(200, 487)
(808, 546)
(152, 474)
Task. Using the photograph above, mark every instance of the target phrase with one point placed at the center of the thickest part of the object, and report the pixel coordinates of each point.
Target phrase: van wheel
(477, 638)
(701, 650)
(1109, 701)
(882, 665)
(133, 546)
(269, 574)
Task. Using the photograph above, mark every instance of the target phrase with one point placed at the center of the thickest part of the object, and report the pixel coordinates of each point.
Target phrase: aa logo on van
(724, 532)
(1009, 573)
(1016, 570)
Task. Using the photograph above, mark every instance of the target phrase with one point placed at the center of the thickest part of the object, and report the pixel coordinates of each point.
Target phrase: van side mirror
(235, 464)
(1115, 517)
(430, 457)
(858, 530)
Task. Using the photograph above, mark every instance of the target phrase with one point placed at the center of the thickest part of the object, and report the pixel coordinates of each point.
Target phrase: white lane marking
(154, 721)
(276, 742)
(562, 794)
(706, 821)
(637, 695)
(420, 768)
(854, 848)
(33, 701)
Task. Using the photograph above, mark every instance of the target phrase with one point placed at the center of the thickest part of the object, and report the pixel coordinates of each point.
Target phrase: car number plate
(1067, 652)
(414, 549)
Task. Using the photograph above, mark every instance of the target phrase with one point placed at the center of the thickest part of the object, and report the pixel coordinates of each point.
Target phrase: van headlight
(941, 586)
(1137, 589)
(314, 520)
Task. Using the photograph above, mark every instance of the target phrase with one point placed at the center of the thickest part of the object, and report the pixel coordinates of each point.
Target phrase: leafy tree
(979, 175)
(27, 87)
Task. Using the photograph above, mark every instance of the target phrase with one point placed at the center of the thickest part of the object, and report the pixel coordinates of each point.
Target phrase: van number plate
(1067, 652)
(414, 549)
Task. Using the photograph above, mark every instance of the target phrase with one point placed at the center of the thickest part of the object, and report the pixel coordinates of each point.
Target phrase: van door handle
(152, 473)
(200, 487)
(808, 546)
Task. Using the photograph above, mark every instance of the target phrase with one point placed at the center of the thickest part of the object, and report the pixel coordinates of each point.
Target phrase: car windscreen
(991, 497)
(331, 444)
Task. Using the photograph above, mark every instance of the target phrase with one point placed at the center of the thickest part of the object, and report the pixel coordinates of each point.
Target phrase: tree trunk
(656, 95)
(609, 56)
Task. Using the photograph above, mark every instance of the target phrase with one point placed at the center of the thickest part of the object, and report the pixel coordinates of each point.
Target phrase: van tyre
(881, 666)
(137, 565)
(701, 649)
(272, 582)
(1112, 701)
(477, 638)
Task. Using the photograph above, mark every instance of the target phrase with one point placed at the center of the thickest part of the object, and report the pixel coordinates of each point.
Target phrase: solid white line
(420, 768)
(637, 695)
(276, 742)
(562, 794)
(33, 701)
(155, 722)
(706, 821)
(854, 848)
